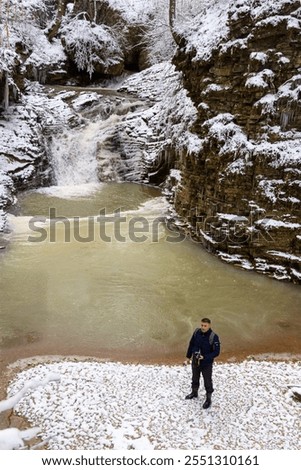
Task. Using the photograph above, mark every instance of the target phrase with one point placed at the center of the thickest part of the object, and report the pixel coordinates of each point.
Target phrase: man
(204, 346)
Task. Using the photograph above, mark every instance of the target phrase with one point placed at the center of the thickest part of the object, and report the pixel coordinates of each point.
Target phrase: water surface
(130, 299)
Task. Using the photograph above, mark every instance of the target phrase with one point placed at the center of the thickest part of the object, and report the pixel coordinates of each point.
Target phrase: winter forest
(150, 176)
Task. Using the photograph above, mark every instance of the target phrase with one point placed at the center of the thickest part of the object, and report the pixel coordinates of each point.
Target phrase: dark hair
(205, 320)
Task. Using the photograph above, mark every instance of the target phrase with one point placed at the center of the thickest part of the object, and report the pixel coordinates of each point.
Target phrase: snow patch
(207, 30)
(261, 79)
(268, 223)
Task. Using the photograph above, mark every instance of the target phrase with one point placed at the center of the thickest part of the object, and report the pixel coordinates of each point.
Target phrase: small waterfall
(74, 156)
(91, 153)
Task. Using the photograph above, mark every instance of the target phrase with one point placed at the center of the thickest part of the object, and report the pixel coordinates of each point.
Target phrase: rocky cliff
(238, 189)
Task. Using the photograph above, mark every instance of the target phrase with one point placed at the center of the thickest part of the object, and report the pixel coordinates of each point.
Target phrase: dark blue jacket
(200, 343)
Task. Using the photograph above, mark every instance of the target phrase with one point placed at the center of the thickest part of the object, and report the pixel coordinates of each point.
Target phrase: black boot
(207, 402)
(191, 395)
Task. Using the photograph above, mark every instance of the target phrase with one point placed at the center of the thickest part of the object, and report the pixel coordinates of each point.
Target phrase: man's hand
(186, 362)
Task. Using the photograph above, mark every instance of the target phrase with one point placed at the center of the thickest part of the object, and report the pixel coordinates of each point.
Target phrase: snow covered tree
(165, 18)
(16, 20)
(92, 47)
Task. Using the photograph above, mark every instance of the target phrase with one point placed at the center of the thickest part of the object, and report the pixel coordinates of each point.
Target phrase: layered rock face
(239, 187)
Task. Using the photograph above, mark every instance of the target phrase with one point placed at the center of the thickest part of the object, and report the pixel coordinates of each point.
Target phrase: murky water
(127, 289)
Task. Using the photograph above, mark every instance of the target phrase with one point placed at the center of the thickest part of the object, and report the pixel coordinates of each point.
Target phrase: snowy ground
(97, 405)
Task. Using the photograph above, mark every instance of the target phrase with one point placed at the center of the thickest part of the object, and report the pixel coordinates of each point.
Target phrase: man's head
(205, 324)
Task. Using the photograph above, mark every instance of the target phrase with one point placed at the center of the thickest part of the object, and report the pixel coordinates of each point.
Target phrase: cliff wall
(238, 189)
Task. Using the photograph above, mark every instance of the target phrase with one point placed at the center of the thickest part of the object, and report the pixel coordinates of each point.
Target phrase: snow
(260, 80)
(153, 83)
(208, 238)
(270, 188)
(21, 140)
(45, 52)
(269, 223)
(231, 139)
(193, 143)
(261, 57)
(290, 89)
(167, 119)
(291, 23)
(236, 259)
(84, 99)
(259, 9)
(232, 217)
(267, 103)
(176, 174)
(213, 87)
(205, 32)
(281, 154)
(91, 44)
(208, 31)
(296, 273)
(105, 405)
(281, 254)
(135, 10)
(29, 4)
(13, 438)
(280, 272)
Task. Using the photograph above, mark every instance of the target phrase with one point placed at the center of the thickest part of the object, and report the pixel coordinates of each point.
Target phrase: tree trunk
(172, 13)
(61, 10)
(172, 19)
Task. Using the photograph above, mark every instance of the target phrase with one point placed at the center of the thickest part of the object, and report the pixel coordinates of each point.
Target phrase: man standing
(204, 346)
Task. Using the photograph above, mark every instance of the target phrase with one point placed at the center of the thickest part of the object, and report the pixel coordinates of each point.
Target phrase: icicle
(6, 93)
(287, 116)
(35, 73)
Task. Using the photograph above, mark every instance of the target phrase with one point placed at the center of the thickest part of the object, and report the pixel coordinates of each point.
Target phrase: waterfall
(74, 156)
(92, 153)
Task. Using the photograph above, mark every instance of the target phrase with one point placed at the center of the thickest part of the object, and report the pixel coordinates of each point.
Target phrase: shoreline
(9, 370)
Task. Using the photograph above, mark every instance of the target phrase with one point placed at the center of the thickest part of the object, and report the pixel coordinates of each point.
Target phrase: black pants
(206, 371)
